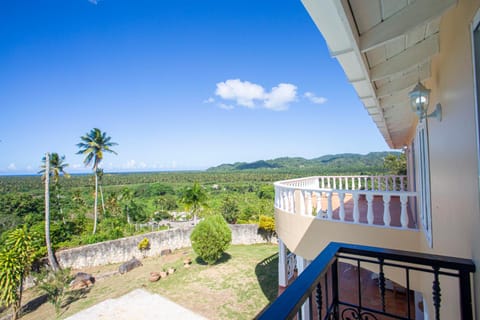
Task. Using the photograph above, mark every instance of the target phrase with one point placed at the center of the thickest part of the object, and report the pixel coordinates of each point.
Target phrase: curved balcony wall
(369, 210)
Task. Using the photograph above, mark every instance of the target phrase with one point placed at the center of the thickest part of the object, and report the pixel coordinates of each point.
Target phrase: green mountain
(336, 162)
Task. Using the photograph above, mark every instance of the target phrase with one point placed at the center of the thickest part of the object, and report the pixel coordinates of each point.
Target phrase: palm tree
(93, 145)
(194, 198)
(53, 165)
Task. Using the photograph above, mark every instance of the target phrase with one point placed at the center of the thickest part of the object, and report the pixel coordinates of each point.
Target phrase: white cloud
(12, 166)
(250, 95)
(313, 98)
(29, 168)
(95, 2)
(226, 106)
(243, 92)
(209, 100)
(281, 96)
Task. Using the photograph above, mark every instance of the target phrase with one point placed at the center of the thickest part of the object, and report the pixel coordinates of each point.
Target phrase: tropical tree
(55, 166)
(126, 197)
(194, 198)
(92, 146)
(15, 263)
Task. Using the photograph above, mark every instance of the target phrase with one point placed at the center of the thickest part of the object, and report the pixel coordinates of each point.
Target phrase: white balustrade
(306, 197)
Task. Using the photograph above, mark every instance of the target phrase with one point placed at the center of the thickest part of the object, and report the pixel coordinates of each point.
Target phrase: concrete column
(282, 264)
(302, 265)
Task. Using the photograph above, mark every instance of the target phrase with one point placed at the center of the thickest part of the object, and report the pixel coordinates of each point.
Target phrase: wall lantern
(419, 98)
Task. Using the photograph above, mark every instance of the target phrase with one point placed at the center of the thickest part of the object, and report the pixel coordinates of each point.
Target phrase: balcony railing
(319, 282)
(345, 198)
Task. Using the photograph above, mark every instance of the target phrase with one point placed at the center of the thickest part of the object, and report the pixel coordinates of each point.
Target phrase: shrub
(266, 223)
(210, 238)
(143, 246)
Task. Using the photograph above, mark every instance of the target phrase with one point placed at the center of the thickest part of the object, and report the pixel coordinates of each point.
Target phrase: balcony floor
(395, 296)
(377, 206)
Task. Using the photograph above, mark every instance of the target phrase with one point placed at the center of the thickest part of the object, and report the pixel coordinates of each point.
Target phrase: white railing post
(319, 202)
(291, 202)
(356, 212)
(309, 203)
(386, 210)
(341, 196)
(403, 211)
(329, 205)
(301, 205)
(370, 208)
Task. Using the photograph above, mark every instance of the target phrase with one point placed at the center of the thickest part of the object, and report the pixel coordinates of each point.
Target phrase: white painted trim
(422, 181)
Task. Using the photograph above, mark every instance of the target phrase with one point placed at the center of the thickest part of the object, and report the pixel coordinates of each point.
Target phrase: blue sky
(177, 84)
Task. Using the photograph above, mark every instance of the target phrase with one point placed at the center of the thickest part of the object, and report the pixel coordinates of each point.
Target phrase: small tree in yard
(210, 238)
(15, 262)
(55, 285)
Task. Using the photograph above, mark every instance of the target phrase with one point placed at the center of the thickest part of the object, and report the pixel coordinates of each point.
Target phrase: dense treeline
(126, 199)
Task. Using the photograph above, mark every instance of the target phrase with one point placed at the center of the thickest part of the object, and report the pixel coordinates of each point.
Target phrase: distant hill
(335, 162)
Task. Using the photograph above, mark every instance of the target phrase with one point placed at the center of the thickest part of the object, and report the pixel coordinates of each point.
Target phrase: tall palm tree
(53, 165)
(93, 145)
(194, 198)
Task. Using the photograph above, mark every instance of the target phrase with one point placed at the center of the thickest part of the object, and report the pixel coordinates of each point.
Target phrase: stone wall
(120, 250)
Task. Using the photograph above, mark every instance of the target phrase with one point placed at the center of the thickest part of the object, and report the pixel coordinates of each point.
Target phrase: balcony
(311, 212)
(317, 292)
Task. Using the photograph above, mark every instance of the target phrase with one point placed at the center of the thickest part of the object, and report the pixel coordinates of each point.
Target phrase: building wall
(452, 143)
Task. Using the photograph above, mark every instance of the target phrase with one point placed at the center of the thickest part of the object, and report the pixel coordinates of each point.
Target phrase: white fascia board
(327, 19)
(413, 15)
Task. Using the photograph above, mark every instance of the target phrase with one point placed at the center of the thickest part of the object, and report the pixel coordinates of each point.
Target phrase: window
(423, 179)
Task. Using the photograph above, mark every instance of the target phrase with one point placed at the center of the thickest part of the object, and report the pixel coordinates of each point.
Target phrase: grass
(240, 285)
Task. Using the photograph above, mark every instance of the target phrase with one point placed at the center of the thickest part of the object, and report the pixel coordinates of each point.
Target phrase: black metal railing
(319, 286)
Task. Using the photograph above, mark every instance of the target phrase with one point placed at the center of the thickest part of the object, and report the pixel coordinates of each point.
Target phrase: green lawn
(237, 287)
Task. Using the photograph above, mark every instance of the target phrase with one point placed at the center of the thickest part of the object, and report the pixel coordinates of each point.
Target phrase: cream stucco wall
(452, 142)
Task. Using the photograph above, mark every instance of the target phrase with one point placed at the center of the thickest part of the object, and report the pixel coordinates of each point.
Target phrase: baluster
(309, 203)
(436, 293)
(329, 205)
(379, 183)
(403, 211)
(386, 210)
(370, 208)
(356, 212)
(381, 283)
(353, 183)
(386, 183)
(341, 196)
(319, 203)
(359, 182)
(302, 203)
(291, 201)
(323, 182)
(402, 185)
(319, 299)
(328, 180)
(334, 183)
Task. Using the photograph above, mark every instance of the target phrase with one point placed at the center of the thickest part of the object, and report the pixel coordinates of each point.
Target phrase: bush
(143, 246)
(210, 238)
(266, 223)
